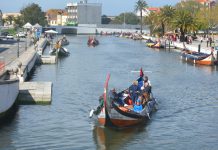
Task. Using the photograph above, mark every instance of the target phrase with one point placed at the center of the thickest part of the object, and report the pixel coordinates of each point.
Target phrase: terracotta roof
(153, 9)
(52, 13)
(202, 1)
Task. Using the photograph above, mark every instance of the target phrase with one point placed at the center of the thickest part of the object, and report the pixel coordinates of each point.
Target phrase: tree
(33, 14)
(10, 19)
(18, 21)
(165, 16)
(185, 22)
(105, 19)
(127, 18)
(153, 21)
(140, 6)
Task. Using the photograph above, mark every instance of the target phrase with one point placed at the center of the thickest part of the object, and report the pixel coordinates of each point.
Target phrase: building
(147, 11)
(9, 18)
(84, 13)
(56, 17)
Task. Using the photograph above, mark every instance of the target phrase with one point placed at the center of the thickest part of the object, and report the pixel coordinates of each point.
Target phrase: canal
(186, 93)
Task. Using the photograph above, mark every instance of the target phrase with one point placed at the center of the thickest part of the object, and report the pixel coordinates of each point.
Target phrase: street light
(18, 46)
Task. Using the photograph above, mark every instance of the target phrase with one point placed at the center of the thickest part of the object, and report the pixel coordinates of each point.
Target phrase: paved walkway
(9, 56)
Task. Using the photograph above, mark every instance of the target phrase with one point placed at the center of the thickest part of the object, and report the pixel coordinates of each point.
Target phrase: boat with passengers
(121, 112)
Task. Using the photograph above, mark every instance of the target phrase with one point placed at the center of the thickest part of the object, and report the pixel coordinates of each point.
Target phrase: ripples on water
(187, 95)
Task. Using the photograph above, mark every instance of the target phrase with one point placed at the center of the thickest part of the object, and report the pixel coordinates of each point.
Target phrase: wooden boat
(198, 58)
(110, 113)
(9, 89)
(92, 42)
(60, 52)
(64, 41)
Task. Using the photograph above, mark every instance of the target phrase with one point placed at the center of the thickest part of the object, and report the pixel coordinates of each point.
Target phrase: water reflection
(5, 127)
(111, 138)
(207, 69)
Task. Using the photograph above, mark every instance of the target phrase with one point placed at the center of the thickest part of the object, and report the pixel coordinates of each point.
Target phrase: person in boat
(115, 97)
(138, 105)
(134, 91)
(89, 40)
(146, 85)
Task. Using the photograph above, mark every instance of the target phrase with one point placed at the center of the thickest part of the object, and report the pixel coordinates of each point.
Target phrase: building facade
(9, 18)
(56, 17)
(84, 13)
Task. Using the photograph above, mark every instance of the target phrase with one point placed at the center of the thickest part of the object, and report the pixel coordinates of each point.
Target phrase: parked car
(4, 33)
(9, 36)
(21, 34)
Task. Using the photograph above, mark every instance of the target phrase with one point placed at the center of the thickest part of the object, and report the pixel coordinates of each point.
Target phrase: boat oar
(135, 71)
(91, 113)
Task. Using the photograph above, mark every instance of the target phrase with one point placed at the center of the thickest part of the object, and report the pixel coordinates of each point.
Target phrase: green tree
(140, 6)
(10, 19)
(185, 21)
(33, 14)
(165, 16)
(18, 21)
(127, 18)
(105, 19)
(154, 23)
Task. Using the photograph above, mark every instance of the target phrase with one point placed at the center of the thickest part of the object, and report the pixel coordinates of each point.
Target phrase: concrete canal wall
(31, 92)
(96, 29)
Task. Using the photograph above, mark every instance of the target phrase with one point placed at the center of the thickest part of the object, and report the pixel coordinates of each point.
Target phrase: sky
(109, 7)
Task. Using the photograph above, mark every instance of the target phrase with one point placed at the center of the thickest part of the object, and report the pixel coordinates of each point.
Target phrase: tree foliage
(33, 14)
(127, 18)
(105, 19)
(140, 6)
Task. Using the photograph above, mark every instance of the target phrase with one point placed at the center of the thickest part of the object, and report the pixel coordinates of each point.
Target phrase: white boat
(9, 89)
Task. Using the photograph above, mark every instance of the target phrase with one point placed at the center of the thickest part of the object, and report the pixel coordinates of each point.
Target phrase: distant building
(56, 17)
(6, 17)
(84, 13)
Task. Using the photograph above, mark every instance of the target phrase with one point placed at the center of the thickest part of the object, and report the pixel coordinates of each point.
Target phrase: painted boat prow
(103, 118)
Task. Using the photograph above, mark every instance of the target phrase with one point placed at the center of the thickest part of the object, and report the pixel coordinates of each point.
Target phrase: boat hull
(199, 58)
(9, 90)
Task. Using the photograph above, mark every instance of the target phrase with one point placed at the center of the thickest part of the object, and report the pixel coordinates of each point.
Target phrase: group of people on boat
(92, 41)
(137, 95)
(154, 44)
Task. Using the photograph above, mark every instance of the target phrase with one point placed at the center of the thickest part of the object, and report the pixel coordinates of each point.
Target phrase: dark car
(4, 33)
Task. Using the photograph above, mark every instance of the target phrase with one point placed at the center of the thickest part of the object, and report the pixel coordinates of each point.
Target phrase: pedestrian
(201, 39)
(207, 40)
(210, 40)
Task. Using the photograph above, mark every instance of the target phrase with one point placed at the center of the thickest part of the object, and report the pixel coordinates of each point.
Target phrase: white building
(84, 13)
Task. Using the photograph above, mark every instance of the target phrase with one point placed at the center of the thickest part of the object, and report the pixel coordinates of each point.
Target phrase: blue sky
(109, 7)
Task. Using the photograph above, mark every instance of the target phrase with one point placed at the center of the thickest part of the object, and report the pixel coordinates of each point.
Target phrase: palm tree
(140, 6)
(166, 15)
(185, 21)
(154, 22)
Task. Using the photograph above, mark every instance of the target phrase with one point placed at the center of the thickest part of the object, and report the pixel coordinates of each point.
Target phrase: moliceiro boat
(9, 89)
(59, 50)
(198, 57)
(113, 113)
(92, 41)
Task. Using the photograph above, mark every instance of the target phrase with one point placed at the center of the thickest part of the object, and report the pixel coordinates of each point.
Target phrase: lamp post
(26, 44)
(18, 46)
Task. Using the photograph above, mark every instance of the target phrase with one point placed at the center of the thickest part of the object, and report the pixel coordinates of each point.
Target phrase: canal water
(187, 95)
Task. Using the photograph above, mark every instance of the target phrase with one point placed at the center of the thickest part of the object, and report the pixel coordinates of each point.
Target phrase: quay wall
(96, 29)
